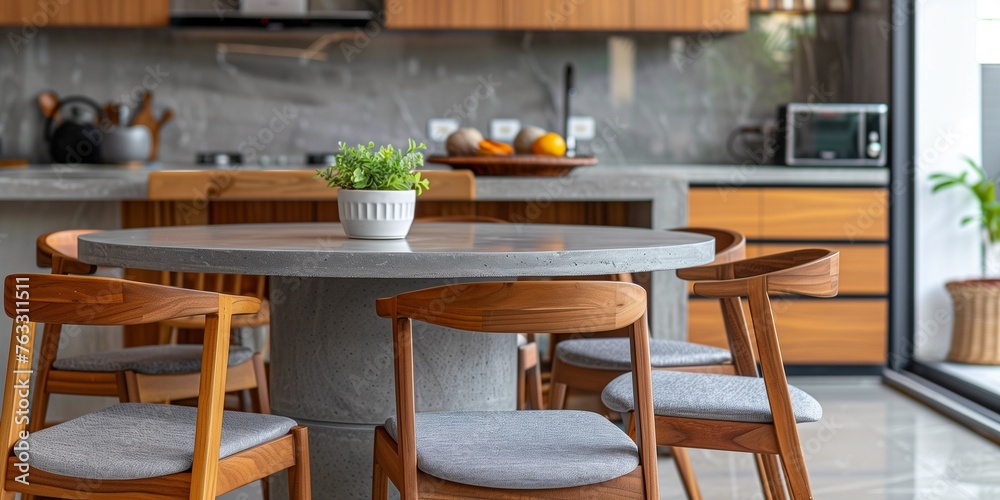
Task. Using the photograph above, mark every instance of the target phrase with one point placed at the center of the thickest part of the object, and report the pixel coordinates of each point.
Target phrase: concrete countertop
(100, 182)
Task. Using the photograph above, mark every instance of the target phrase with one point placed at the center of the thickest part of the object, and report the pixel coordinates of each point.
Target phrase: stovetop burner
(218, 158)
(320, 158)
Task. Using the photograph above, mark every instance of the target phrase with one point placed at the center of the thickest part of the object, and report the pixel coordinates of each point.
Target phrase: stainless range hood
(273, 14)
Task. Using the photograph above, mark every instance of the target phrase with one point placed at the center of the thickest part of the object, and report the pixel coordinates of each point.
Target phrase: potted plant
(378, 189)
(976, 331)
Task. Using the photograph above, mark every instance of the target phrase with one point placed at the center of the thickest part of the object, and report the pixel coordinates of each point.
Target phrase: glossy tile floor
(873, 443)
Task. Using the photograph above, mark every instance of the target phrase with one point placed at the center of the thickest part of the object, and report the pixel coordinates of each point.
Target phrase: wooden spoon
(48, 102)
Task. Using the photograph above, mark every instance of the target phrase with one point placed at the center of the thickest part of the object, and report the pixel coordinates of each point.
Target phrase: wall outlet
(504, 129)
(582, 128)
(438, 129)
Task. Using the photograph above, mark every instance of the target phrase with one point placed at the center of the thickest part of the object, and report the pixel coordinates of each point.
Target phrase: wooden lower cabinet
(864, 268)
(737, 209)
(825, 214)
(810, 331)
(850, 329)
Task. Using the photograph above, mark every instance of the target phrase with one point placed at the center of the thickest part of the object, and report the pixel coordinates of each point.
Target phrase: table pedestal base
(332, 368)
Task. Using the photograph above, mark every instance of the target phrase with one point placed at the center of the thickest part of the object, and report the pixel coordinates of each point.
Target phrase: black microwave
(827, 134)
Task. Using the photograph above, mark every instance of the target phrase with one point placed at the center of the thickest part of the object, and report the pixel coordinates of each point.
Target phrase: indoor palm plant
(976, 329)
(988, 216)
(378, 188)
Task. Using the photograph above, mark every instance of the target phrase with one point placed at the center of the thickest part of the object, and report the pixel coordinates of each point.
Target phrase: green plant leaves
(385, 169)
(983, 188)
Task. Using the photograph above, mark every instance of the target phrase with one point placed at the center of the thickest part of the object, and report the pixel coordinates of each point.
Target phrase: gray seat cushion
(614, 353)
(521, 449)
(135, 440)
(151, 360)
(709, 396)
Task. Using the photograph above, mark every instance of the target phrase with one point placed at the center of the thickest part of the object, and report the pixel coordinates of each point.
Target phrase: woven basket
(975, 336)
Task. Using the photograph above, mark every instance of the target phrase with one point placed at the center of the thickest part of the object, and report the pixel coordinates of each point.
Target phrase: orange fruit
(550, 144)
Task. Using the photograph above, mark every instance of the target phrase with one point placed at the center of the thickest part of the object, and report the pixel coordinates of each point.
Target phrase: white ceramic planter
(376, 215)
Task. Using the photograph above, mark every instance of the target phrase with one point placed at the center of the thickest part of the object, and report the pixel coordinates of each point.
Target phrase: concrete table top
(432, 250)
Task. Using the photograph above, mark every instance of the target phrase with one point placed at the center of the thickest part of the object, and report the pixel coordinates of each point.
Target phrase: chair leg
(299, 483)
(521, 382)
(683, 463)
(681, 460)
(380, 483)
(794, 465)
(39, 409)
(534, 381)
(261, 397)
(769, 472)
(557, 396)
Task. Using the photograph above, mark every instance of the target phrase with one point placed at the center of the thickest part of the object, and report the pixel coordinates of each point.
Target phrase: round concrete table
(331, 356)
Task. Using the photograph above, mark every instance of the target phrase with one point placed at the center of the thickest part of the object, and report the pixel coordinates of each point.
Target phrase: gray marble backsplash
(256, 90)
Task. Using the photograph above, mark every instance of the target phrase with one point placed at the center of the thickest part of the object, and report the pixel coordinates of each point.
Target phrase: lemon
(550, 144)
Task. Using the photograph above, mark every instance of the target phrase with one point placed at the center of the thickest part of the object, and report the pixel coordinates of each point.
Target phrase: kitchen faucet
(569, 81)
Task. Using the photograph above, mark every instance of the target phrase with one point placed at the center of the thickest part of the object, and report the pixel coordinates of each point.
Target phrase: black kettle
(75, 139)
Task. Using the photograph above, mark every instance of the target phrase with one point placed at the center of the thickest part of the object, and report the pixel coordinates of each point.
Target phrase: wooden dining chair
(529, 368)
(516, 454)
(138, 450)
(746, 412)
(590, 364)
(148, 374)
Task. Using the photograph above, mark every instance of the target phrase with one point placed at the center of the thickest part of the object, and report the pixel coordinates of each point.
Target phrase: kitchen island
(44, 198)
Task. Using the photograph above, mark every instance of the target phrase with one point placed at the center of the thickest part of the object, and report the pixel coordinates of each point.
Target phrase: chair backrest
(811, 272)
(729, 245)
(555, 307)
(283, 185)
(84, 300)
(58, 250)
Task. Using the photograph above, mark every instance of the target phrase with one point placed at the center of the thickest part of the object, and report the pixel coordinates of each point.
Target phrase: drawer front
(712, 15)
(846, 331)
(825, 214)
(864, 268)
(569, 14)
(735, 209)
(447, 14)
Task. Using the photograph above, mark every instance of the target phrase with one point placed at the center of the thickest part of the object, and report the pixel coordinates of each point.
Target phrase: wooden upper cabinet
(691, 15)
(569, 14)
(445, 14)
(86, 13)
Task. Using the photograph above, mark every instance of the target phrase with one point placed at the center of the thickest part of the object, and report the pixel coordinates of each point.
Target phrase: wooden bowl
(516, 165)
